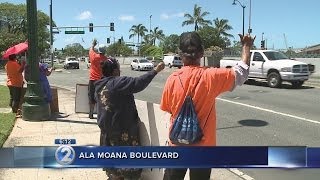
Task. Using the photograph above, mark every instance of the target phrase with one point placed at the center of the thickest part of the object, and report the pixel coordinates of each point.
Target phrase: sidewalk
(67, 124)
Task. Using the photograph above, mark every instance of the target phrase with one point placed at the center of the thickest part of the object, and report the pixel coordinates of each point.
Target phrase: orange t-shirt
(14, 77)
(95, 60)
(213, 81)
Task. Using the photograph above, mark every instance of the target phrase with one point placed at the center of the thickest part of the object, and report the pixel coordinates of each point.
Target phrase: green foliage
(221, 27)
(119, 49)
(151, 50)
(156, 34)
(197, 18)
(75, 49)
(5, 97)
(6, 126)
(170, 43)
(13, 28)
(138, 30)
(210, 37)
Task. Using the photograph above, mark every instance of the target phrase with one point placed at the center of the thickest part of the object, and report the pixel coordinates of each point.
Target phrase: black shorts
(91, 91)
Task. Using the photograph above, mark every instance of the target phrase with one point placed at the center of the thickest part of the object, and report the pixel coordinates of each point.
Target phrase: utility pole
(150, 29)
(250, 30)
(34, 108)
(51, 35)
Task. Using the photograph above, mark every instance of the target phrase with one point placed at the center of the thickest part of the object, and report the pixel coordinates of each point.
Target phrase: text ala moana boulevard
(129, 155)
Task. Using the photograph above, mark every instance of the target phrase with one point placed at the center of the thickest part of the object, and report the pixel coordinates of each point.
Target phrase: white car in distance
(141, 64)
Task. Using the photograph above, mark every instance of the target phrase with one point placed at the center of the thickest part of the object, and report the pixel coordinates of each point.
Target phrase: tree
(221, 26)
(151, 50)
(119, 49)
(138, 30)
(208, 36)
(170, 43)
(75, 49)
(197, 18)
(13, 27)
(156, 34)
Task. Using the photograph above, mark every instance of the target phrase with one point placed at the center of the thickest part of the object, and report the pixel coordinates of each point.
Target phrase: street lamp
(150, 29)
(34, 106)
(51, 34)
(234, 3)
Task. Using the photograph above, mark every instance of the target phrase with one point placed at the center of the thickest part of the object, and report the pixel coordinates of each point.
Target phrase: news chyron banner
(68, 156)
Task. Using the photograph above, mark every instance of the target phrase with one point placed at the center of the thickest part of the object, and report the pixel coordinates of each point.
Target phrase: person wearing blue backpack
(189, 96)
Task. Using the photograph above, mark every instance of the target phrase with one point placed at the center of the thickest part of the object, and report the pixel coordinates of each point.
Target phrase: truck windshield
(274, 55)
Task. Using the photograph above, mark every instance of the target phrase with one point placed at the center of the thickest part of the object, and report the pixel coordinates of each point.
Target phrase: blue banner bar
(156, 157)
(313, 157)
(66, 156)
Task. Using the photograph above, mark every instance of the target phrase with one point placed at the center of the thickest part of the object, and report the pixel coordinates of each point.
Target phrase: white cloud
(126, 18)
(84, 15)
(166, 16)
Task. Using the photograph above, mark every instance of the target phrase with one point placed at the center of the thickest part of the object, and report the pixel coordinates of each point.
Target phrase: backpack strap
(195, 88)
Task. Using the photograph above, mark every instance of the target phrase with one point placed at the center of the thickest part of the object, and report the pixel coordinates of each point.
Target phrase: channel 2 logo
(65, 155)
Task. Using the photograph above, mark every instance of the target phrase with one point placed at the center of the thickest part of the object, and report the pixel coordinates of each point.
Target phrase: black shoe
(91, 116)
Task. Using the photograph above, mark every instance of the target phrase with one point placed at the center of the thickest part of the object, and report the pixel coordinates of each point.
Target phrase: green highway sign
(74, 32)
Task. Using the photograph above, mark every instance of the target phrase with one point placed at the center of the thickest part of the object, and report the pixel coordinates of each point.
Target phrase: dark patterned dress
(117, 115)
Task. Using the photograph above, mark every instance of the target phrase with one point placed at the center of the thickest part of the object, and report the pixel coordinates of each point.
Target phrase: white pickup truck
(275, 67)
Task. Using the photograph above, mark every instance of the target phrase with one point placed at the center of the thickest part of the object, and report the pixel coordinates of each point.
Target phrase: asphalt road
(251, 115)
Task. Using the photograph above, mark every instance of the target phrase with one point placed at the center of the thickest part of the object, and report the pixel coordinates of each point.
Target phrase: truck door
(256, 67)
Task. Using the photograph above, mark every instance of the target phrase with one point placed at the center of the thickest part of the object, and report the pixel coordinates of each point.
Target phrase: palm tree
(197, 19)
(221, 27)
(138, 30)
(156, 34)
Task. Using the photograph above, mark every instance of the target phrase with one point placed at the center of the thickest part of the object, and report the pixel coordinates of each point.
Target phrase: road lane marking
(271, 111)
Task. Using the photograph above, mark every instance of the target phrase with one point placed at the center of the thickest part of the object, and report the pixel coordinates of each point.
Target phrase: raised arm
(242, 69)
(130, 85)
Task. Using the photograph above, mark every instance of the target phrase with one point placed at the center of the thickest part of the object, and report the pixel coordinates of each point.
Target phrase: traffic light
(262, 44)
(108, 40)
(62, 49)
(111, 26)
(55, 49)
(91, 27)
(119, 41)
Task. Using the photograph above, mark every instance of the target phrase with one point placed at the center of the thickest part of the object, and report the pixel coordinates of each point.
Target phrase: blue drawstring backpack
(186, 128)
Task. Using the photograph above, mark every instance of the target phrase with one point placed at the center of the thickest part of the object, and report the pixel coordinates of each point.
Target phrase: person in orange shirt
(204, 85)
(95, 73)
(15, 82)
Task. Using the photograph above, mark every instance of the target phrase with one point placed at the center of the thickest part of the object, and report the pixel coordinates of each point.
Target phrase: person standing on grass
(15, 82)
(95, 59)
(204, 85)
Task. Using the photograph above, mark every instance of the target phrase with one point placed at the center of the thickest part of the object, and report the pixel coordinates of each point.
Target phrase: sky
(298, 21)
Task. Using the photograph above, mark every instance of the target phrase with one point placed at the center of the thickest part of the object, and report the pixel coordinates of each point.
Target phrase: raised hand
(247, 40)
(94, 42)
(159, 67)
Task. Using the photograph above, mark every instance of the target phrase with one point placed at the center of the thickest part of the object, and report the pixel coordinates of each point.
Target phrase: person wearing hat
(204, 85)
(95, 72)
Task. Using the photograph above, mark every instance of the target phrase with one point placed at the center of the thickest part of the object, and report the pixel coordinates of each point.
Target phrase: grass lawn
(6, 124)
(4, 97)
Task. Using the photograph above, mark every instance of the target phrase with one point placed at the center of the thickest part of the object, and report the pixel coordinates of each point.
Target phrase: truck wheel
(297, 84)
(170, 66)
(131, 68)
(139, 68)
(274, 80)
(250, 82)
